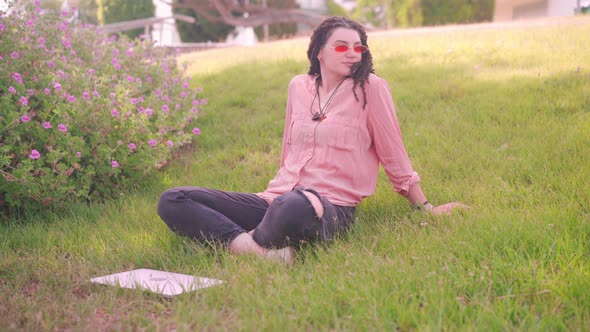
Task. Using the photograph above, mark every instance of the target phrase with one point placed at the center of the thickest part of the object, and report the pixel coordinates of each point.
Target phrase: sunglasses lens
(361, 49)
(340, 48)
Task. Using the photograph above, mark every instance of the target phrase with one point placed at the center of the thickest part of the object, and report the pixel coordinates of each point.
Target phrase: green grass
(496, 117)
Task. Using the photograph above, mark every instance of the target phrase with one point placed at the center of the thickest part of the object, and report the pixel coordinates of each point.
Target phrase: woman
(340, 125)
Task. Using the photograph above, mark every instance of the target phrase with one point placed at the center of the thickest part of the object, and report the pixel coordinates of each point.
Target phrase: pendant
(317, 116)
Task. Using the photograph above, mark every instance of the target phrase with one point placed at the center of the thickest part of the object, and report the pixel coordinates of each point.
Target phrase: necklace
(319, 116)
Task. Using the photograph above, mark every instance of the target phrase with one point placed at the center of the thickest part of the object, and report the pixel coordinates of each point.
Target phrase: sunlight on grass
(214, 61)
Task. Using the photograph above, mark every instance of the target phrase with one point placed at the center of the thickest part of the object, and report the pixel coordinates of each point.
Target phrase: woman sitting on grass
(340, 125)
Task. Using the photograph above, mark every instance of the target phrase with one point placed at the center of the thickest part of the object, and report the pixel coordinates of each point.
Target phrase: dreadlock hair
(360, 71)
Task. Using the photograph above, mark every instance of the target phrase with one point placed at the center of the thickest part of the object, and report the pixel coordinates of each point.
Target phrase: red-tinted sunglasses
(344, 48)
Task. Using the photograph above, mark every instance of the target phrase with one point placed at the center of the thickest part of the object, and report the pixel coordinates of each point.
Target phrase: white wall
(164, 33)
(561, 7)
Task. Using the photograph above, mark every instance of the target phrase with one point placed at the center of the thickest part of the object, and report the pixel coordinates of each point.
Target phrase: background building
(508, 10)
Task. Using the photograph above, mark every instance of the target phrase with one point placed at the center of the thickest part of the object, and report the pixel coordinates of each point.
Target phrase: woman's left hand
(446, 209)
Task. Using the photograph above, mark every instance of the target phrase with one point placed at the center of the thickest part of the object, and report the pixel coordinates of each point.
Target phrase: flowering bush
(84, 115)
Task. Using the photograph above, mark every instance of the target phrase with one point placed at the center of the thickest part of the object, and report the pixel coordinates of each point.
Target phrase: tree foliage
(388, 13)
(247, 13)
(437, 12)
(207, 29)
(202, 30)
(410, 13)
(113, 11)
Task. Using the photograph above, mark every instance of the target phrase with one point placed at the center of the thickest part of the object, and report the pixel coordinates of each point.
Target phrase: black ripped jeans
(220, 216)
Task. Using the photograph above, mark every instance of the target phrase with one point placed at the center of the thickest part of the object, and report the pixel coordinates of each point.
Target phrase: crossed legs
(245, 244)
(247, 224)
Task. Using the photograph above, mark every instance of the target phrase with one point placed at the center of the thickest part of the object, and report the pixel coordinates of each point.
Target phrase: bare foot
(244, 244)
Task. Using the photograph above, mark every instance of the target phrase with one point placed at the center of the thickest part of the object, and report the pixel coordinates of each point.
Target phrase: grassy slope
(497, 117)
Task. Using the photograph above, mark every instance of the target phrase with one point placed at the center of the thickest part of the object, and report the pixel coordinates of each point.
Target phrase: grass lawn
(497, 117)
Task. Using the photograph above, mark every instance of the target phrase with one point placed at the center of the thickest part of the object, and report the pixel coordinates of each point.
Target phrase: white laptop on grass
(160, 282)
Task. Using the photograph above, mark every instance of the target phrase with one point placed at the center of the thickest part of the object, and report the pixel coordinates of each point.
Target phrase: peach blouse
(339, 156)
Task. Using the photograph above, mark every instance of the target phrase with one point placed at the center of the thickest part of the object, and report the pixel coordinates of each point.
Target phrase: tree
(114, 11)
(246, 13)
(202, 30)
(217, 30)
(438, 12)
(284, 29)
(389, 13)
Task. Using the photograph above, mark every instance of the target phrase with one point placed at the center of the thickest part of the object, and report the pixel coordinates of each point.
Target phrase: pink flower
(203, 101)
(66, 43)
(95, 93)
(134, 101)
(170, 143)
(62, 127)
(183, 94)
(56, 86)
(117, 66)
(71, 98)
(11, 89)
(196, 131)
(1, 27)
(31, 92)
(60, 73)
(195, 102)
(152, 142)
(130, 79)
(165, 108)
(25, 118)
(185, 84)
(195, 110)
(35, 155)
(131, 146)
(114, 164)
(17, 77)
(24, 101)
(91, 71)
(50, 64)
(114, 113)
(78, 154)
(149, 111)
(14, 55)
(86, 95)
(47, 91)
(47, 125)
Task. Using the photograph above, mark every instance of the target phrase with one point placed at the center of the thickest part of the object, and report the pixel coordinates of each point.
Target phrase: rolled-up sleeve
(387, 137)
